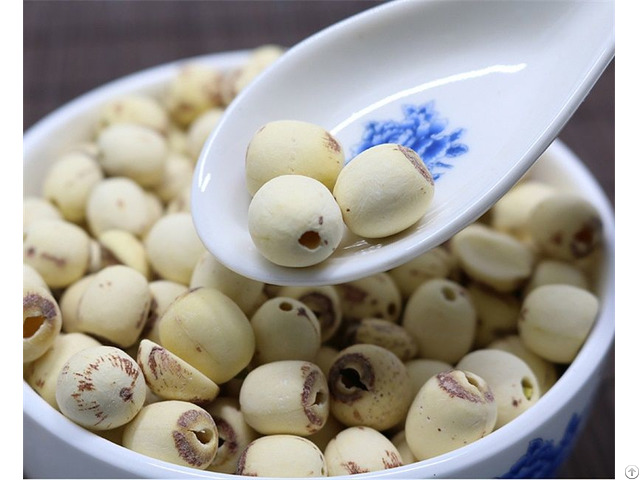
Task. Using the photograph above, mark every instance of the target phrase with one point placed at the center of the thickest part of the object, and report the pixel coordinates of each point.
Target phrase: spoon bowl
(478, 89)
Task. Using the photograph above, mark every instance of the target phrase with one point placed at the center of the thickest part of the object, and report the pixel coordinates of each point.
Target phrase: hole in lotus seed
(204, 436)
(449, 293)
(320, 398)
(31, 325)
(310, 240)
(527, 388)
(286, 307)
(350, 378)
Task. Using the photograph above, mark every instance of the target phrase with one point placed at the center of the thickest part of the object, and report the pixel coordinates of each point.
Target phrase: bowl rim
(580, 371)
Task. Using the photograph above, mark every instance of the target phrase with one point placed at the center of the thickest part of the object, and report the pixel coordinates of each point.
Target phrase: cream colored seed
(118, 203)
(374, 296)
(367, 190)
(285, 329)
(442, 319)
(360, 450)
(549, 272)
(282, 456)
(139, 109)
(193, 90)
(566, 227)
(100, 388)
(115, 305)
(209, 272)
(394, 338)
(292, 147)
(436, 263)
(41, 321)
(493, 258)
(324, 301)
(174, 431)
(556, 319)
(513, 383)
(133, 151)
(58, 250)
(42, 373)
(209, 331)
(422, 369)
(174, 247)
(177, 176)
(544, 370)
(285, 397)
(511, 213)
(200, 129)
(68, 183)
(497, 313)
(37, 208)
(163, 293)
(171, 378)
(294, 221)
(119, 247)
(234, 434)
(369, 386)
(451, 410)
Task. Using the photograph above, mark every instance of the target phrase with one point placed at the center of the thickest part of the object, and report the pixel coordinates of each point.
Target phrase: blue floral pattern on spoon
(422, 129)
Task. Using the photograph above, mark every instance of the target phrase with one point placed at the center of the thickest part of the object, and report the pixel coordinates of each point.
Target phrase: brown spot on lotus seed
(126, 394)
(58, 261)
(392, 460)
(417, 162)
(320, 220)
(556, 238)
(353, 294)
(186, 450)
(448, 383)
(331, 143)
(31, 251)
(308, 403)
(585, 240)
(302, 312)
(352, 467)
(322, 306)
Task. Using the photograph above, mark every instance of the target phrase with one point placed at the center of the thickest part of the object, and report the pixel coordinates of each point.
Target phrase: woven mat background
(71, 47)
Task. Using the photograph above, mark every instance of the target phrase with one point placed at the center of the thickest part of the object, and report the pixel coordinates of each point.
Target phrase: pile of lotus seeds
(134, 331)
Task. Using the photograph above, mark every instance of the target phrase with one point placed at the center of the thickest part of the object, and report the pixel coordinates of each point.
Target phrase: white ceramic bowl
(532, 445)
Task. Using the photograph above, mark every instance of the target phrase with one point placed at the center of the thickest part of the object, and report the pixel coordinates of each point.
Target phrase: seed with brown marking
(288, 397)
(360, 450)
(100, 388)
(174, 431)
(369, 386)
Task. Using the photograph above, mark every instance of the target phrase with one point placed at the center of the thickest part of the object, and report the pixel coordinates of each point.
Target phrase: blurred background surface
(71, 47)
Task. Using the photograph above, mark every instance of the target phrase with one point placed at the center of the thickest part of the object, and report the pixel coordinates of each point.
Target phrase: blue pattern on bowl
(543, 457)
(423, 130)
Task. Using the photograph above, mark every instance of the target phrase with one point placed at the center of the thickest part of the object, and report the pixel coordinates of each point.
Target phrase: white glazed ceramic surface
(56, 447)
(496, 80)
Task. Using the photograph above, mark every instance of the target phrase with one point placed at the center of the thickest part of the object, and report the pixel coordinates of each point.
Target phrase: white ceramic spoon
(481, 88)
